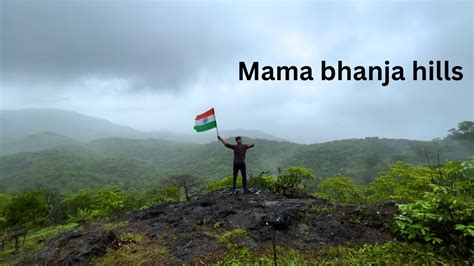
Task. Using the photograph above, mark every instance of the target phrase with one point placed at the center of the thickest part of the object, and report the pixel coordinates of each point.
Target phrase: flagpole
(215, 117)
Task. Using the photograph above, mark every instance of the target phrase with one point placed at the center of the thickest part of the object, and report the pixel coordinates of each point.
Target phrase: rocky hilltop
(203, 230)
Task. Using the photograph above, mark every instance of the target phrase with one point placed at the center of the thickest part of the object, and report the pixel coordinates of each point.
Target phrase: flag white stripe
(205, 120)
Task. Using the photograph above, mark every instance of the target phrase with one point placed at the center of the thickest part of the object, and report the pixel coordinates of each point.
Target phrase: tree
(57, 212)
(24, 211)
(189, 183)
(27, 209)
(465, 131)
(82, 200)
(109, 202)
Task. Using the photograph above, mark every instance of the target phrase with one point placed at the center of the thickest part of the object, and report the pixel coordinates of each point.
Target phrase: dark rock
(73, 248)
(278, 221)
(225, 213)
(241, 220)
(192, 229)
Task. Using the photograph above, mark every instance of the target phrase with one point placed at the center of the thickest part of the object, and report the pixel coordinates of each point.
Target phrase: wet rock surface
(192, 229)
(298, 222)
(73, 248)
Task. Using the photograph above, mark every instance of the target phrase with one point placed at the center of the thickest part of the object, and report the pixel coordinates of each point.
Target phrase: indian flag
(205, 121)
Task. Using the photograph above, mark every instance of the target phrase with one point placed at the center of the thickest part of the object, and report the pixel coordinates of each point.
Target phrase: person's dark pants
(243, 171)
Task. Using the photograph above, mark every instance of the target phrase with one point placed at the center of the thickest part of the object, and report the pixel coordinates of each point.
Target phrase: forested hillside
(36, 142)
(71, 168)
(348, 187)
(135, 164)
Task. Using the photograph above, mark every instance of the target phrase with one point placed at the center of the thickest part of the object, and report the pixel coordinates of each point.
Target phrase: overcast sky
(154, 65)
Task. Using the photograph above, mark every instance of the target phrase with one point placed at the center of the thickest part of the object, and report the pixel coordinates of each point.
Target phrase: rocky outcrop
(303, 223)
(73, 248)
(192, 229)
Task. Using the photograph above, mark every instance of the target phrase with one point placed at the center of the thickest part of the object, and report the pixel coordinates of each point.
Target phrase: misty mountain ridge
(36, 142)
(18, 124)
(136, 164)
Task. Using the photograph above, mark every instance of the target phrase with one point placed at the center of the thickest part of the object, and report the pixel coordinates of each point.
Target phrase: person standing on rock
(239, 160)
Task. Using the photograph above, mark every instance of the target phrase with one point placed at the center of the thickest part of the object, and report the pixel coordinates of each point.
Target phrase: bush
(225, 182)
(109, 202)
(402, 183)
(340, 189)
(157, 196)
(292, 180)
(444, 215)
(263, 181)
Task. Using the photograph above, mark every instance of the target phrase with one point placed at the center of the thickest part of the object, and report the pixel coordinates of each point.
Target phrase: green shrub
(263, 181)
(225, 182)
(402, 183)
(340, 189)
(293, 178)
(444, 215)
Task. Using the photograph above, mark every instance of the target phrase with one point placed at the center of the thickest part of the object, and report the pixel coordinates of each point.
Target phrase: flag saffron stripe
(207, 113)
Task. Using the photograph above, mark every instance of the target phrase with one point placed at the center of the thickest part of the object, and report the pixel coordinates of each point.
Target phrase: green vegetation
(41, 213)
(133, 249)
(137, 164)
(393, 253)
(340, 189)
(71, 168)
(435, 223)
(32, 241)
(48, 192)
(293, 179)
(444, 215)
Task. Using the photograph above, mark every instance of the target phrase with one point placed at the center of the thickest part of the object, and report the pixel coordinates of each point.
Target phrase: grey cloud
(140, 41)
(185, 53)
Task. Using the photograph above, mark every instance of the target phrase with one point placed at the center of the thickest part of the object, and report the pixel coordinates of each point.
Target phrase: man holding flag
(206, 121)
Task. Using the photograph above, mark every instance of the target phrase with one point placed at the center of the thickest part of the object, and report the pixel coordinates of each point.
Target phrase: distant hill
(71, 168)
(206, 137)
(18, 124)
(36, 142)
(361, 159)
(69, 151)
(137, 164)
(209, 160)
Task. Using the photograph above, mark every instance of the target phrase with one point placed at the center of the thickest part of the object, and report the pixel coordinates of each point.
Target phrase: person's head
(238, 140)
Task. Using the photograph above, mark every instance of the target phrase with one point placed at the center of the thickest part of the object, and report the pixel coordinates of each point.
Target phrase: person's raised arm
(224, 142)
(221, 140)
(250, 146)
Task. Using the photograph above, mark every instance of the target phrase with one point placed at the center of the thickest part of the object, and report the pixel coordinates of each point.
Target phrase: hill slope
(133, 164)
(16, 124)
(361, 159)
(36, 142)
(71, 168)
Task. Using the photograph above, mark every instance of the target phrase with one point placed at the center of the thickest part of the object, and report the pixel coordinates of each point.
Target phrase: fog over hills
(18, 124)
(54, 149)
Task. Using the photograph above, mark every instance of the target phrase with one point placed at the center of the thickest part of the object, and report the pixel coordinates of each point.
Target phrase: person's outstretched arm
(225, 142)
(250, 146)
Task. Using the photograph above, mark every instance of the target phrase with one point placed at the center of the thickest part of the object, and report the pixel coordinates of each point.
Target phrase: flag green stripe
(205, 127)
